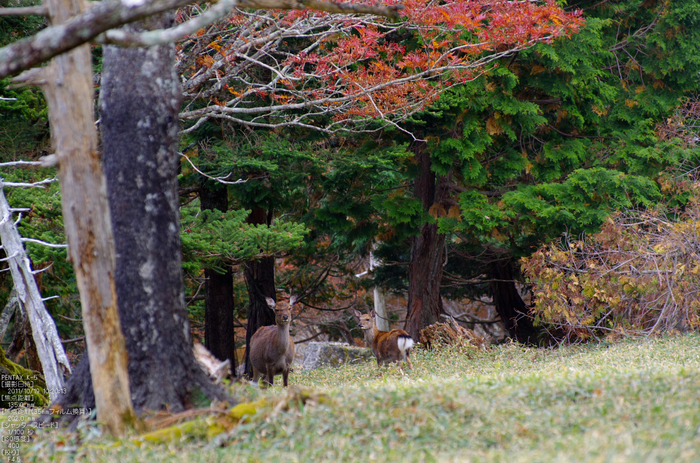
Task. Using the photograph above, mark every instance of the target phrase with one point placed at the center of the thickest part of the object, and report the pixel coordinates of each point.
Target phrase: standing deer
(271, 347)
(388, 346)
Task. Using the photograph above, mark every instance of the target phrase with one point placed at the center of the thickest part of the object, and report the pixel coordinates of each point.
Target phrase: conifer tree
(273, 70)
(553, 140)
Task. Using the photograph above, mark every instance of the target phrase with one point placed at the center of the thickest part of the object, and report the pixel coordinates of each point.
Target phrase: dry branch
(638, 275)
(105, 15)
(346, 72)
(48, 344)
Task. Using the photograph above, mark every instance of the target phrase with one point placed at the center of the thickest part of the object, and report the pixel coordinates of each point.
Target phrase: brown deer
(388, 346)
(271, 347)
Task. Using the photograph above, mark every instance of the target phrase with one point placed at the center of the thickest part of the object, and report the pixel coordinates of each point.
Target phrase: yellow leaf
(493, 127)
(437, 211)
(454, 213)
(497, 235)
(205, 60)
(599, 111)
(561, 115)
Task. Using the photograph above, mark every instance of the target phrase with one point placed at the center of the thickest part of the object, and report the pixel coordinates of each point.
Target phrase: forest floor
(631, 401)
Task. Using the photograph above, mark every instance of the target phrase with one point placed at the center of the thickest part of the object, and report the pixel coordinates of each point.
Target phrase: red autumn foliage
(294, 67)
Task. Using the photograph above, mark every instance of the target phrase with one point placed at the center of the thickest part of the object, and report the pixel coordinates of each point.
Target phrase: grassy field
(634, 401)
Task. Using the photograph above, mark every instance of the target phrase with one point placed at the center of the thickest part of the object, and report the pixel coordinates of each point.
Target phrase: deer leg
(285, 375)
(408, 360)
(270, 377)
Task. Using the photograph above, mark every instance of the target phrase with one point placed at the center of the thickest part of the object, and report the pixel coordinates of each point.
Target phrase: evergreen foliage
(214, 239)
(561, 135)
(324, 191)
(23, 119)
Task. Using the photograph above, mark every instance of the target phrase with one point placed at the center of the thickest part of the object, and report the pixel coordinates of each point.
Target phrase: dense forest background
(559, 188)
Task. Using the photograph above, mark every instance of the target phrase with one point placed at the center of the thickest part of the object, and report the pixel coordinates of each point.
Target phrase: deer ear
(292, 300)
(358, 314)
(270, 302)
(374, 314)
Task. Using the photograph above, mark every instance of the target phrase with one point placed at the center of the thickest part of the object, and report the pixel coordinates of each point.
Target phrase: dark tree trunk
(23, 342)
(509, 305)
(425, 273)
(218, 294)
(260, 280)
(18, 333)
(427, 251)
(139, 103)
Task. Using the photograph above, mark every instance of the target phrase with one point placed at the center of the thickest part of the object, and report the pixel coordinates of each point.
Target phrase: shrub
(639, 275)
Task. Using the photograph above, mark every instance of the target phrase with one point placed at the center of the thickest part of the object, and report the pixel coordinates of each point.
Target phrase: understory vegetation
(633, 400)
(637, 275)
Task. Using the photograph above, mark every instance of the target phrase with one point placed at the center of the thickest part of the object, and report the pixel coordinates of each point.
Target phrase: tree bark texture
(219, 336)
(68, 87)
(510, 306)
(139, 104)
(260, 280)
(427, 252)
(8, 311)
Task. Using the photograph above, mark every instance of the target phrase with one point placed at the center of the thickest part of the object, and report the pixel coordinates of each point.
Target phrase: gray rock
(319, 354)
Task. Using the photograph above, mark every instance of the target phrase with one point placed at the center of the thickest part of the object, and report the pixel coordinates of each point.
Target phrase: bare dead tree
(53, 358)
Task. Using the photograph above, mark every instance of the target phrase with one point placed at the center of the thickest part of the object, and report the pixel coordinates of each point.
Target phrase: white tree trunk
(382, 318)
(48, 344)
(68, 87)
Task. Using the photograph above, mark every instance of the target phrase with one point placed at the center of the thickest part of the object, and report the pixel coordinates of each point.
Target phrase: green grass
(635, 401)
